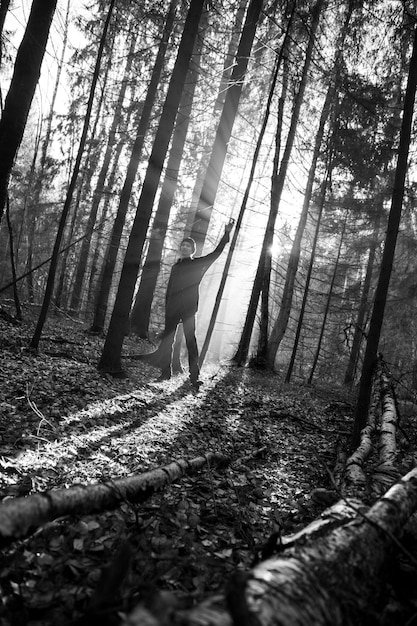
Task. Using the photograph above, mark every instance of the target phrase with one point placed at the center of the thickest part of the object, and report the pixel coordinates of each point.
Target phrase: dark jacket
(185, 278)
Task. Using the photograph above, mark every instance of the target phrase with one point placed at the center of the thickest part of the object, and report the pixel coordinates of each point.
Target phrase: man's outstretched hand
(229, 226)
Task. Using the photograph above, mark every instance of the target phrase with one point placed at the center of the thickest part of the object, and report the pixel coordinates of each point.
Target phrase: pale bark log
(386, 473)
(20, 516)
(330, 574)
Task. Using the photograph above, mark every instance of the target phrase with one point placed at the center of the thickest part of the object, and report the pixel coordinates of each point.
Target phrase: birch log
(20, 516)
(332, 577)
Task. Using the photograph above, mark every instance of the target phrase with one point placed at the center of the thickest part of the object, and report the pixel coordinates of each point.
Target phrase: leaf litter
(63, 423)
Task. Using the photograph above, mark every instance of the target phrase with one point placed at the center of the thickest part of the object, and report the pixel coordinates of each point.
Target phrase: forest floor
(63, 423)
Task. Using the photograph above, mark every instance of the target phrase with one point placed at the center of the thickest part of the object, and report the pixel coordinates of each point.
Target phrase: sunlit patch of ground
(63, 423)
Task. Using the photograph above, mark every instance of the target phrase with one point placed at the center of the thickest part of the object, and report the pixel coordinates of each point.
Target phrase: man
(181, 303)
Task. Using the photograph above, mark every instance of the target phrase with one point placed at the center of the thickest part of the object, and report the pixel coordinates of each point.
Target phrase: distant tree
(26, 74)
(281, 323)
(101, 180)
(34, 343)
(241, 354)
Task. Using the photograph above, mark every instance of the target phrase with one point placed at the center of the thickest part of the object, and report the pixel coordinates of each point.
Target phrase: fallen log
(21, 516)
(330, 574)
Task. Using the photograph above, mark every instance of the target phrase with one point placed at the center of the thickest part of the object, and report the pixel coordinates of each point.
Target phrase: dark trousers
(171, 324)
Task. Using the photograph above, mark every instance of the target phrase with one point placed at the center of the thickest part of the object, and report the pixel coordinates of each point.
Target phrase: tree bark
(389, 250)
(26, 74)
(21, 516)
(110, 359)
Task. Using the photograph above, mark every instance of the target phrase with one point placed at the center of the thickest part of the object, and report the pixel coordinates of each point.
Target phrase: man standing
(181, 303)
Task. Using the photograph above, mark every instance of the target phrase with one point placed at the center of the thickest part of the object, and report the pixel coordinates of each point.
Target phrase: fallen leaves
(187, 540)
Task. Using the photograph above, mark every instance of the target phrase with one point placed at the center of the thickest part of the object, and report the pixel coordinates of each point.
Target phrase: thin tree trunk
(224, 129)
(232, 246)
(141, 311)
(242, 352)
(111, 355)
(98, 192)
(55, 256)
(322, 197)
(281, 324)
(327, 307)
(13, 264)
(218, 106)
(95, 264)
(26, 74)
(117, 230)
(389, 250)
(363, 306)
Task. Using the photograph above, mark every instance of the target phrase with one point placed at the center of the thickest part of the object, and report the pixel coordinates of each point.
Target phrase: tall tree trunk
(83, 183)
(101, 179)
(67, 204)
(97, 255)
(281, 322)
(13, 264)
(322, 198)
(389, 250)
(110, 358)
(218, 106)
(327, 307)
(140, 315)
(243, 348)
(363, 307)
(26, 74)
(224, 129)
(232, 246)
(117, 230)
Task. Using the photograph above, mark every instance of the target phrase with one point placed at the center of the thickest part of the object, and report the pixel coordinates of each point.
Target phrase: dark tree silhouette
(378, 310)
(26, 74)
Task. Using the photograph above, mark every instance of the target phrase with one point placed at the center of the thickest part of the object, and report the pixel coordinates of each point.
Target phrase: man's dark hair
(191, 241)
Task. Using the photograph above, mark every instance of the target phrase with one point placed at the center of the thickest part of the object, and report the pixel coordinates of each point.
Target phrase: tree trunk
(140, 315)
(322, 197)
(98, 254)
(55, 255)
(224, 129)
(26, 74)
(389, 250)
(243, 348)
(116, 234)
(281, 323)
(118, 327)
(21, 516)
(232, 246)
(327, 307)
(363, 307)
(98, 192)
(218, 106)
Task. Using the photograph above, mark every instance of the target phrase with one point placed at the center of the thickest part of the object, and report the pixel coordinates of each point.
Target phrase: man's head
(187, 248)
